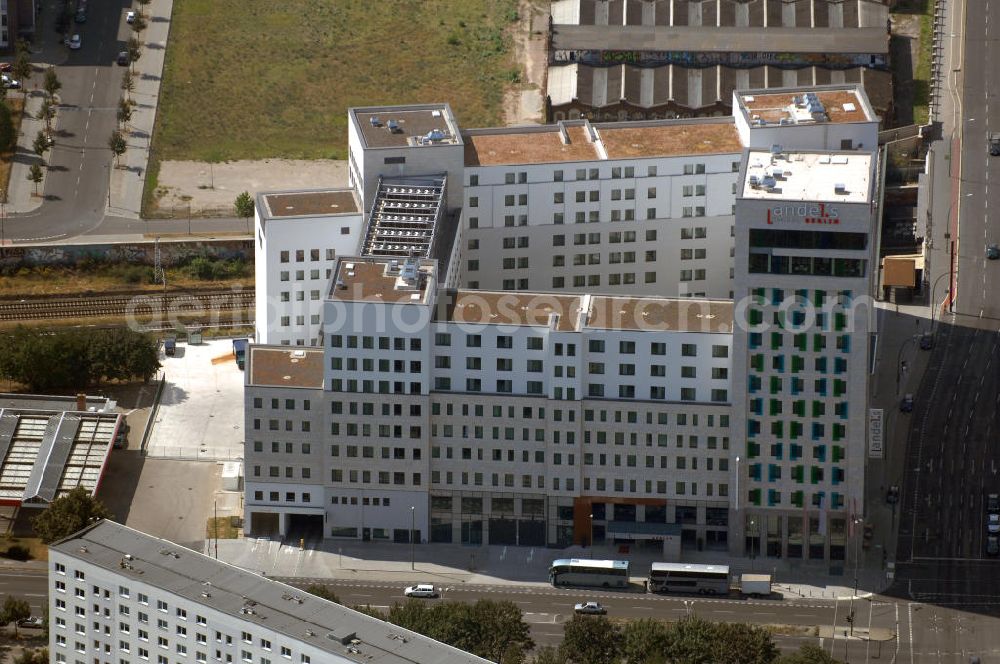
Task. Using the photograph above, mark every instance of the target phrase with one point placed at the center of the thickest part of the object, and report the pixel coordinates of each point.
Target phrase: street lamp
(590, 541)
(858, 521)
(900, 366)
(934, 288)
(413, 513)
(737, 508)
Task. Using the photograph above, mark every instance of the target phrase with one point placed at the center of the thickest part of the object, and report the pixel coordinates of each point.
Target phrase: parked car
(993, 524)
(9, 83)
(892, 496)
(906, 405)
(123, 59)
(6, 66)
(130, 17)
(74, 42)
(993, 503)
(590, 608)
(992, 252)
(169, 347)
(81, 16)
(926, 342)
(421, 590)
(35, 621)
(992, 545)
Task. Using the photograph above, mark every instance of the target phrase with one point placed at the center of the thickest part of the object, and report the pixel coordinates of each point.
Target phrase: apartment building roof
(406, 126)
(669, 137)
(511, 308)
(256, 601)
(383, 280)
(796, 106)
(528, 145)
(661, 314)
(843, 177)
(309, 203)
(49, 447)
(282, 366)
(715, 39)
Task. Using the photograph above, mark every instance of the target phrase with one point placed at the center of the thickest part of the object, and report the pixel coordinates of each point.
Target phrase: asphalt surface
(27, 585)
(950, 584)
(547, 609)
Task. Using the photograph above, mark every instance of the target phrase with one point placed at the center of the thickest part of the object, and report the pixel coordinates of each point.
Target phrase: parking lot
(201, 410)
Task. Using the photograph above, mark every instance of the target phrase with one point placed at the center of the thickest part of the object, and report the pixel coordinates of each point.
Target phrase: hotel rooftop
(789, 107)
(317, 203)
(414, 125)
(843, 177)
(283, 366)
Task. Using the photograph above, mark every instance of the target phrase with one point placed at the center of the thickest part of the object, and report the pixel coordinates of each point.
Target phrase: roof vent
(298, 354)
(840, 188)
(393, 127)
(435, 135)
(341, 285)
(775, 149)
(754, 181)
(84, 549)
(768, 182)
(206, 594)
(309, 632)
(375, 121)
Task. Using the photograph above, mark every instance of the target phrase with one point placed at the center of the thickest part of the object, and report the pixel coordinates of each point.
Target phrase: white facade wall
(289, 291)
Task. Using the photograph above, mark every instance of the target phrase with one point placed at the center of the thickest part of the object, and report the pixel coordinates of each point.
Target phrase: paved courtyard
(201, 410)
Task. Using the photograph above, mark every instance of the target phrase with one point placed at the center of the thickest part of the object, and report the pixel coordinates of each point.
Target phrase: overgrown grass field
(252, 79)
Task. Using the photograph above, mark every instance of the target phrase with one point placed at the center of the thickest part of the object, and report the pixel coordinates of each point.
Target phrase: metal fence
(194, 453)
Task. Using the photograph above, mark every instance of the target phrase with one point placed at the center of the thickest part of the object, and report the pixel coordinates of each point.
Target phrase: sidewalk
(127, 181)
(503, 566)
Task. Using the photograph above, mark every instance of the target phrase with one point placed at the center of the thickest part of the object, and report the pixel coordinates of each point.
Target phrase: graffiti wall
(139, 253)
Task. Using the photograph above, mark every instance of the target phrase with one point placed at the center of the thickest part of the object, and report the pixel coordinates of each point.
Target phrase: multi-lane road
(952, 460)
(76, 186)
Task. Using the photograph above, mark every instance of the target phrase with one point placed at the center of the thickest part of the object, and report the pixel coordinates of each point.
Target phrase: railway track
(144, 307)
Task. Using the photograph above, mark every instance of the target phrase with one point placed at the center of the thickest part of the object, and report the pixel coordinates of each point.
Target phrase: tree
(325, 592)
(138, 25)
(245, 207)
(118, 146)
(692, 641)
(741, 643)
(548, 655)
(808, 654)
(128, 83)
(67, 514)
(591, 640)
(36, 175)
(498, 631)
(646, 641)
(52, 84)
(46, 113)
(7, 134)
(35, 656)
(41, 143)
(124, 112)
(142, 4)
(134, 49)
(21, 69)
(14, 609)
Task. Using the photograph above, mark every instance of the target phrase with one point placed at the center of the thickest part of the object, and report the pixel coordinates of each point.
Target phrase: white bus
(595, 573)
(684, 578)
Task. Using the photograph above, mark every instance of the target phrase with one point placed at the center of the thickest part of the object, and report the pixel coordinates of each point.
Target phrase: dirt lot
(211, 189)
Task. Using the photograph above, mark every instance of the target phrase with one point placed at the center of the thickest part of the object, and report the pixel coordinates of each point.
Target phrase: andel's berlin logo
(809, 213)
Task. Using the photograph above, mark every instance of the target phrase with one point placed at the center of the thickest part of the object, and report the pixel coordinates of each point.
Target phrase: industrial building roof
(281, 366)
(843, 177)
(406, 126)
(719, 39)
(256, 600)
(48, 447)
(317, 203)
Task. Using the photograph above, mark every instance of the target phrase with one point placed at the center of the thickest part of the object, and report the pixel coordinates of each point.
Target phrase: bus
(684, 578)
(595, 573)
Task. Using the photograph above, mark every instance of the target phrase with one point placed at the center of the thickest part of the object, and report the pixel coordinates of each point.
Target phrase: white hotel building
(119, 595)
(527, 335)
